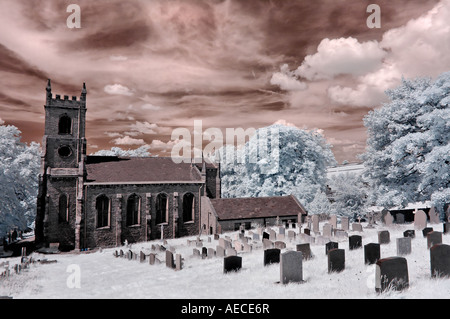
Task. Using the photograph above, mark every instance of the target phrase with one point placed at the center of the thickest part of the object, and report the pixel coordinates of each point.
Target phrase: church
(102, 201)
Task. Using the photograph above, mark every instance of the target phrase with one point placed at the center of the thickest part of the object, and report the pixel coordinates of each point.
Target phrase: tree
(407, 158)
(19, 169)
(278, 160)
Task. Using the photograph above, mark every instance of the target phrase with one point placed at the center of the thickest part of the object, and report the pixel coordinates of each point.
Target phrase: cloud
(144, 128)
(287, 80)
(126, 140)
(341, 56)
(118, 89)
(118, 58)
(150, 107)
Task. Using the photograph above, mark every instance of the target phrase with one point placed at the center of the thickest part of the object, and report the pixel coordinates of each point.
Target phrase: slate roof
(113, 169)
(257, 207)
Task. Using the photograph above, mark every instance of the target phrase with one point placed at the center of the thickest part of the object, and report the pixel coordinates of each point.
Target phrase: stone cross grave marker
(336, 260)
(291, 268)
(391, 273)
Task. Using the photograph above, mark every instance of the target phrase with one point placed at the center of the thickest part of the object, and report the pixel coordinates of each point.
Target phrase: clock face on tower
(64, 151)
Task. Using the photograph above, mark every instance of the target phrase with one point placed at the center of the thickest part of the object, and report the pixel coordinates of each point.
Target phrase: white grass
(104, 276)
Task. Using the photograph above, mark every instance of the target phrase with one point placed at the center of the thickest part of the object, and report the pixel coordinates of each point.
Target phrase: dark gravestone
(446, 227)
(371, 253)
(426, 230)
(170, 263)
(330, 245)
(141, 257)
(232, 263)
(440, 260)
(433, 238)
(204, 252)
(391, 274)
(409, 233)
(355, 242)
(336, 260)
(265, 235)
(271, 256)
(307, 231)
(384, 237)
(305, 249)
(400, 218)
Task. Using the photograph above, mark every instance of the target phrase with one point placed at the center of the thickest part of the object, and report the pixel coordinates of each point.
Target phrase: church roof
(116, 170)
(257, 207)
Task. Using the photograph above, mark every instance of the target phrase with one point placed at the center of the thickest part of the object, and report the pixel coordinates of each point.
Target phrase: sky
(151, 66)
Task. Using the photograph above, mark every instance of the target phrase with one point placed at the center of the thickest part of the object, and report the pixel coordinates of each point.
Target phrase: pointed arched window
(102, 206)
(188, 207)
(133, 206)
(161, 208)
(65, 125)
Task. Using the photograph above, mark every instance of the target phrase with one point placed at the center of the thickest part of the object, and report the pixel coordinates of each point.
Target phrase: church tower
(60, 199)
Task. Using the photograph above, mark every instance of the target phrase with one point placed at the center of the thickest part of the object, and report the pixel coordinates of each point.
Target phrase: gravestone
(354, 242)
(121, 253)
(315, 223)
(333, 221)
(272, 235)
(433, 238)
(345, 223)
(420, 219)
(170, 263)
(434, 216)
(265, 236)
(271, 256)
(391, 273)
(327, 230)
(340, 233)
(196, 252)
(336, 260)
(409, 233)
(267, 243)
(386, 218)
(403, 246)
(440, 260)
(231, 252)
(220, 251)
(426, 230)
(291, 268)
(330, 245)
(281, 230)
(307, 231)
(178, 262)
(306, 238)
(238, 246)
(151, 259)
(255, 236)
(216, 237)
(224, 243)
(446, 227)
(211, 253)
(305, 249)
(141, 257)
(280, 244)
(291, 235)
(357, 227)
(247, 248)
(232, 263)
(204, 252)
(400, 218)
(371, 253)
(383, 237)
(322, 240)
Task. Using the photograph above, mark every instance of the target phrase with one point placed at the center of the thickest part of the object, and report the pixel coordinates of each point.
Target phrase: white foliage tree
(279, 160)
(407, 158)
(19, 169)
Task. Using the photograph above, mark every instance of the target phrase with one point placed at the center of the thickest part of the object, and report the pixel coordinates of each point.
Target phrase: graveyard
(332, 262)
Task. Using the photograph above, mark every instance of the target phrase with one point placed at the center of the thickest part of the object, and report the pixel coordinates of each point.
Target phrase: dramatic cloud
(118, 89)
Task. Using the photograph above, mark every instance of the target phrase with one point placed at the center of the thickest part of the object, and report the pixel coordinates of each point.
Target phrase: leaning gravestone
(271, 256)
(371, 253)
(355, 242)
(440, 260)
(403, 246)
(420, 219)
(383, 237)
(426, 230)
(330, 245)
(305, 249)
(291, 268)
(170, 263)
(232, 263)
(336, 260)
(391, 273)
(433, 238)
